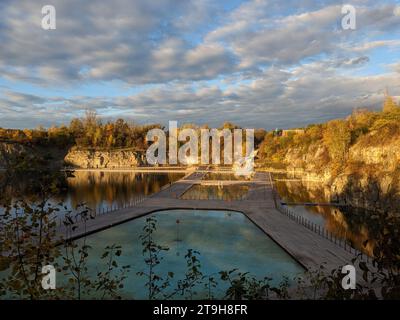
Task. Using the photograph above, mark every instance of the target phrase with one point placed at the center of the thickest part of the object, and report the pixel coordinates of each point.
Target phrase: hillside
(358, 158)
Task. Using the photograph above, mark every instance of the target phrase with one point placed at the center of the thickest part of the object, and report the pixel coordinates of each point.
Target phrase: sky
(257, 63)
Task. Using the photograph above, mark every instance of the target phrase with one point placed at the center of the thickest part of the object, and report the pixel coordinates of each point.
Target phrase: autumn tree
(76, 128)
(337, 138)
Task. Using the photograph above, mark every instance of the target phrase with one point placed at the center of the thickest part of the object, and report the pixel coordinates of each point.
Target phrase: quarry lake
(222, 237)
(224, 240)
(96, 189)
(100, 190)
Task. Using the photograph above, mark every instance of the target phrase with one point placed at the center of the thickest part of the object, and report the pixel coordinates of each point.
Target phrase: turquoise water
(225, 240)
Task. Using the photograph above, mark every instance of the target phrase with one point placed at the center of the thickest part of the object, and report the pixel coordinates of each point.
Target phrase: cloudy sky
(258, 63)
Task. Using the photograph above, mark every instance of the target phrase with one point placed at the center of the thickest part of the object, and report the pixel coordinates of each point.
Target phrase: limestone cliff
(73, 157)
(369, 178)
(103, 159)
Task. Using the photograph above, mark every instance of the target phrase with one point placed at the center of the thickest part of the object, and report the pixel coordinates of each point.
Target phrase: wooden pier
(315, 204)
(308, 248)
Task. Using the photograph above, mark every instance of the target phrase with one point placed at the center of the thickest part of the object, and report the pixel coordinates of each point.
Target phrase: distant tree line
(91, 132)
(336, 136)
(88, 132)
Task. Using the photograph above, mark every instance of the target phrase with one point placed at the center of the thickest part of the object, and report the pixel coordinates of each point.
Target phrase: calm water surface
(355, 225)
(98, 189)
(225, 240)
(102, 189)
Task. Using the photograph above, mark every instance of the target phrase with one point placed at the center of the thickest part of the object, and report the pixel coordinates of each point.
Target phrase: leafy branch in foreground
(109, 282)
(27, 243)
(151, 252)
(379, 280)
(28, 236)
(30, 239)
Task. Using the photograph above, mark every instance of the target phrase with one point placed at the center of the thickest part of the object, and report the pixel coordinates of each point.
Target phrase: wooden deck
(315, 204)
(307, 247)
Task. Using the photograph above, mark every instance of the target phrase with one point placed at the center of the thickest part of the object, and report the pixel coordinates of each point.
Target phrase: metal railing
(212, 197)
(102, 210)
(321, 231)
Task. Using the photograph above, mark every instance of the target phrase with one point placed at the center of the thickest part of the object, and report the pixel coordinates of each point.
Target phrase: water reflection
(99, 189)
(222, 176)
(225, 239)
(355, 225)
(227, 192)
(96, 189)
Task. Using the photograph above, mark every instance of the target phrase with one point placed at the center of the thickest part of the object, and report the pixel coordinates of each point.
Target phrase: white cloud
(259, 63)
(277, 98)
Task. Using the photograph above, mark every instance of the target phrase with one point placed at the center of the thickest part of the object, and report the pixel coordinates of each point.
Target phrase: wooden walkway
(133, 170)
(315, 204)
(307, 247)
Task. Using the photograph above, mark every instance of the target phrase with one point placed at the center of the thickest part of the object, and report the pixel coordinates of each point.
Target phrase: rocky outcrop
(369, 179)
(103, 159)
(385, 155)
(73, 158)
(369, 189)
(311, 160)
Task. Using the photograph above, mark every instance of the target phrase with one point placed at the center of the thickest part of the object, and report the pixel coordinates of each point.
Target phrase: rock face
(386, 155)
(378, 191)
(310, 160)
(103, 159)
(74, 158)
(369, 179)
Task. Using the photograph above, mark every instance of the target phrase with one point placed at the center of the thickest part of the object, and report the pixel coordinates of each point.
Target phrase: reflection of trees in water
(366, 223)
(348, 223)
(115, 187)
(92, 188)
(355, 225)
(222, 176)
(228, 192)
(30, 185)
(302, 191)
